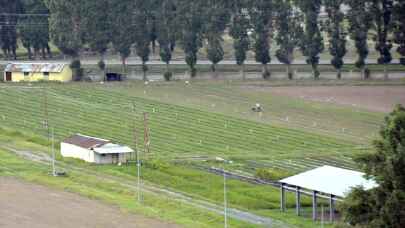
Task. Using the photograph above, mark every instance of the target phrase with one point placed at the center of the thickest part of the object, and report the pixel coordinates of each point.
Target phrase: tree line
(254, 25)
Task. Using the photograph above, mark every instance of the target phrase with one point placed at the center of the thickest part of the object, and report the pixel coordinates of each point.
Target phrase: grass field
(189, 122)
(262, 200)
(110, 192)
(176, 131)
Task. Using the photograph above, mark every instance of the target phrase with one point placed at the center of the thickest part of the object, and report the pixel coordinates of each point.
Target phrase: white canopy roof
(111, 148)
(330, 180)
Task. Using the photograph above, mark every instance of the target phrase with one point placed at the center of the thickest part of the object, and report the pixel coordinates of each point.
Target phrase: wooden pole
(146, 133)
(46, 115)
(53, 153)
(138, 164)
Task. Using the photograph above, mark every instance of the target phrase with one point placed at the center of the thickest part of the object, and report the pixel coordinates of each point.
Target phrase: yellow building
(32, 72)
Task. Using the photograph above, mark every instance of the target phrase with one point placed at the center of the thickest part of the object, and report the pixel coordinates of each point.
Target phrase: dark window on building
(26, 73)
(46, 73)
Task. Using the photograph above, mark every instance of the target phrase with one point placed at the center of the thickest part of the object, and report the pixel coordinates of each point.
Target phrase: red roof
(85, 141)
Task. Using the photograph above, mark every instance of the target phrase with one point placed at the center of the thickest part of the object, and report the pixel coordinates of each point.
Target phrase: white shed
(94, 150)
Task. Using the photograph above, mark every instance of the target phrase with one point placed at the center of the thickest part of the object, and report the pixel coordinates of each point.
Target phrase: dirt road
(29, 205)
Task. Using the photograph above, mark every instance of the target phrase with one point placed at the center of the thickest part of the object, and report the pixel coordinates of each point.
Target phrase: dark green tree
(67, 30)
(382, 14)
(191, 21)
(97, 27)
(8, 29)
(166, 31)
(360, 21)
(34, 30)
(399, 28)
(289, 33)
(143, 25)
(384, 205)
(312, 42)
(337, 34)
(240, 33)
(217, 18)
(122, 28)
(261, 13)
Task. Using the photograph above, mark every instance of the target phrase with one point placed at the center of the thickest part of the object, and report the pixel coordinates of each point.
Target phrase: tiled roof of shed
(85, 141)
(35, 67)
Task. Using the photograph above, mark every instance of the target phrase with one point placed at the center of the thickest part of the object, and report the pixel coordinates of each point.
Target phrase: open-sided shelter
(326, 182)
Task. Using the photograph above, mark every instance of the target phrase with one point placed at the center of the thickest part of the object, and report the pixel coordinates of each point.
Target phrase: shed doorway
(111, 77)
(115, 158)
(8, 76)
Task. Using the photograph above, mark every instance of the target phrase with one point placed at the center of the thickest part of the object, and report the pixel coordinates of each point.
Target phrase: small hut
(95, 150)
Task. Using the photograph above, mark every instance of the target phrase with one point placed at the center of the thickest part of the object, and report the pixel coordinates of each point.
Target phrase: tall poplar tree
(360, 21)
(337, 35)
(262, 20)
(122, 28)
(399, 28)
(34, 30)
(382, 13)
(312, 43)
(217, 18)
(240, 33)
(143, 24)
(96, 23)
(166, 31)
(67, 30)
(289, 33)
(191, 21)
(8, 31)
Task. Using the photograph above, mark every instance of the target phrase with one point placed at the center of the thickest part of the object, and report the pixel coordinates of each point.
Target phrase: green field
(175, 131)
(191, 125)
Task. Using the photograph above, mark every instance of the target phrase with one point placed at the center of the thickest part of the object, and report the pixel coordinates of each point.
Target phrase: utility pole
(225, 199)
(138, 164)
(46, 116)
(53, 153)
(146, 133)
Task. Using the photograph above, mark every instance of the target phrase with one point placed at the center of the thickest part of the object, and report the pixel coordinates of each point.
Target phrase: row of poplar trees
(254, 25)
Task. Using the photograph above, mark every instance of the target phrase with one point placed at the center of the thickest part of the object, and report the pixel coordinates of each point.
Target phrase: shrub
(266, 74)
(271, 174)
(193, 72)
(168, 75)
(367, 73)
(75, 64)
(156, 164)
(101, 64)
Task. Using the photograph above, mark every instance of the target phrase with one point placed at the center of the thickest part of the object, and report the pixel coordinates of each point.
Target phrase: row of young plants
(327, 119)
(182, 179)
(169, 136)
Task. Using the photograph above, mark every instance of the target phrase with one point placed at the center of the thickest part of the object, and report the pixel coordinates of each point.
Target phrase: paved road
(134, 61)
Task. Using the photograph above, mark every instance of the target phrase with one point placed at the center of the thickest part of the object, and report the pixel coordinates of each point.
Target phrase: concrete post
(314, 205)
(331, 208)
(298, 200)
(282, 198)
